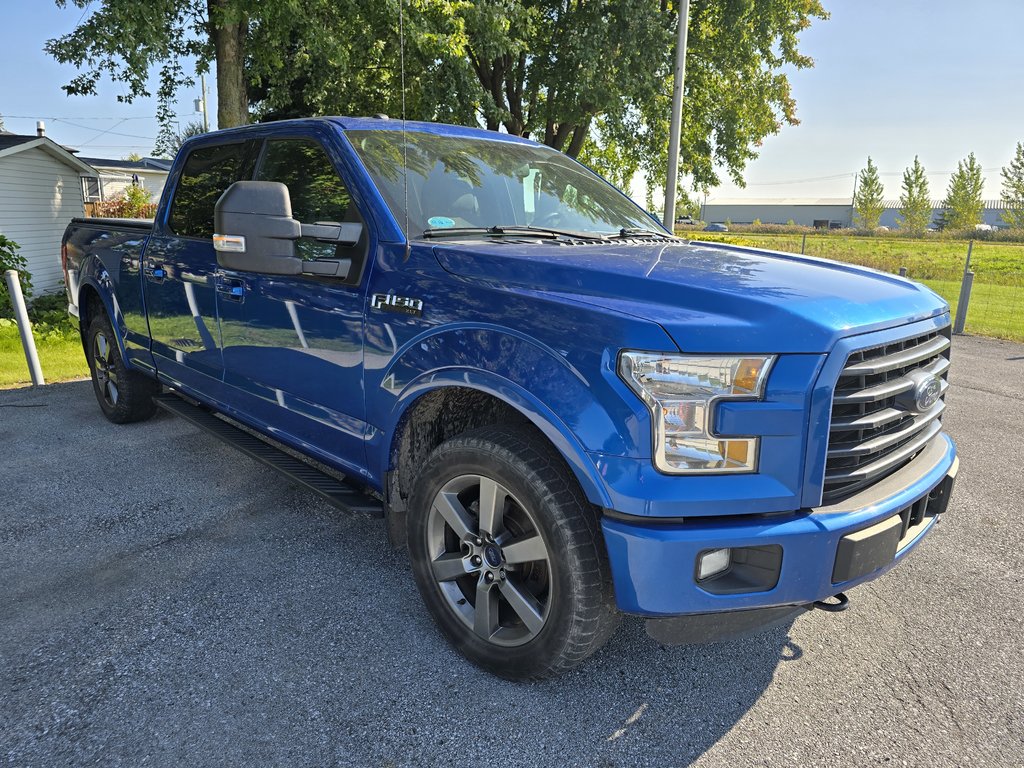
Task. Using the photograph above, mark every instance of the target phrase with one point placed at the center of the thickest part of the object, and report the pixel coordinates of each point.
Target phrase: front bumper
(653, 564)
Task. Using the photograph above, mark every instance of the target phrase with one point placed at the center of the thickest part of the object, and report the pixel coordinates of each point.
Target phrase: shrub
(11, 259)
(133, 203)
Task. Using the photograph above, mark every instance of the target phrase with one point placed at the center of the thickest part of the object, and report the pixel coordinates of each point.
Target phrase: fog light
(712, 562)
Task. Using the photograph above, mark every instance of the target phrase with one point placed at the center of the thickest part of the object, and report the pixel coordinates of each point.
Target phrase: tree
(867, 201)
(915, 200)
(168, 142)
(963, 204)
(133, 157)
(1013, 190)
(126, 39)
(592, 78)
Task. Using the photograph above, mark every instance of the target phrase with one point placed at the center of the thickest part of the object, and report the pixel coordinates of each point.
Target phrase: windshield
(455, 182)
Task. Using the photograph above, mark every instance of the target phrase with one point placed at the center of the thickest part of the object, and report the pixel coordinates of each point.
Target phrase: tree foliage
(169, 141)
(1013, 190)
(963, 204)
(867, 201)
(592, 78)
(126, 40)
(915, 199)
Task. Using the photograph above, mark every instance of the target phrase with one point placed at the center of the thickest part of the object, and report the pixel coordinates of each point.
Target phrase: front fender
(514, 394)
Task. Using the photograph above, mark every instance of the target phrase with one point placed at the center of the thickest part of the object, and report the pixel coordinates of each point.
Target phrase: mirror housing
(255, 231)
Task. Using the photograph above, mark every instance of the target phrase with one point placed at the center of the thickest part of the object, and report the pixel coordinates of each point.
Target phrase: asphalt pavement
(166, 601)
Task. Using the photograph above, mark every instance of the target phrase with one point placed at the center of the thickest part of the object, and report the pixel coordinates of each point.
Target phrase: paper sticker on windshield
(442, 222)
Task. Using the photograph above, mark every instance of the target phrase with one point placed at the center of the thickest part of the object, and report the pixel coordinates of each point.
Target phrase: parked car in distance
(563, 411)
(716, 227)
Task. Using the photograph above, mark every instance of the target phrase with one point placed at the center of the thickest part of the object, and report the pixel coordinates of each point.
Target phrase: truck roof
(376, 124)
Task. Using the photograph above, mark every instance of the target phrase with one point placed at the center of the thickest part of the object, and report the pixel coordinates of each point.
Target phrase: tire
(535, 555)
(124, 395)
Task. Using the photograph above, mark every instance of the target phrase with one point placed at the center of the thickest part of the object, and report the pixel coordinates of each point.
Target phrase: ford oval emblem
(926, 393)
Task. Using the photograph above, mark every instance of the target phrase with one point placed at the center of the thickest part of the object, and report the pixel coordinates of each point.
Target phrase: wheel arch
(454, 401)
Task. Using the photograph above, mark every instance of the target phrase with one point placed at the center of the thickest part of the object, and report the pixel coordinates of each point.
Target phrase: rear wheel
(124, 395)
(508, 556)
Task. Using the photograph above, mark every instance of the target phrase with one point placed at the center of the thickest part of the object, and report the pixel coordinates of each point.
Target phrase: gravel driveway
(167, 601)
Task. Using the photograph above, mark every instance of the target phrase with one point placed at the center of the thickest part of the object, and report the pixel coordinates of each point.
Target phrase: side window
(316, 190)
(207, 173)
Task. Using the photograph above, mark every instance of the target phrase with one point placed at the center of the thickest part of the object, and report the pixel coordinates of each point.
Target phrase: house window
(90, 189)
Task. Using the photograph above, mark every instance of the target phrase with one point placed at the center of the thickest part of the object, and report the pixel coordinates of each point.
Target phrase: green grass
(997, 299)
(60, 357)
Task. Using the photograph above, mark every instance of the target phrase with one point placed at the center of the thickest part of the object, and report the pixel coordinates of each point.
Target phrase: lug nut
(478, 541)
(502, 574)
(476, 560)
(488, 577)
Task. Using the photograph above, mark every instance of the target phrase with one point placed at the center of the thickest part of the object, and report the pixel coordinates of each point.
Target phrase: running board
(337, 492)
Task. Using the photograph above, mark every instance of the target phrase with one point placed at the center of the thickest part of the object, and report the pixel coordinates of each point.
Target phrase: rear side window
(207, 173)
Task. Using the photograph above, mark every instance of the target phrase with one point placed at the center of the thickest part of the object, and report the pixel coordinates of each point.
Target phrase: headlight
(681, 391)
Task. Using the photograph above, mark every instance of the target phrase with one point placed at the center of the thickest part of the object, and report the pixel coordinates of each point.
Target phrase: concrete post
(24, 327)
(963, 302)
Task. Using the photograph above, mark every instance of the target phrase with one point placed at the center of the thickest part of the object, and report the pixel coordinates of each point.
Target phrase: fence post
(964, 301)
(24, 327)
(903, 271)
(803, 245)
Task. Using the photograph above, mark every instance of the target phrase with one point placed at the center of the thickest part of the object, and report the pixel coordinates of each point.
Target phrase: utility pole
(206, 119)
(677, 118)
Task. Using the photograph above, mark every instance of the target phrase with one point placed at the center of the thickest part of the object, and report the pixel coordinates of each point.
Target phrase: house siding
(39, 195)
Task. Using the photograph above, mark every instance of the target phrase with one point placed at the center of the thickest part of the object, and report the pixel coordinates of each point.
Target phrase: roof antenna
(405, 142)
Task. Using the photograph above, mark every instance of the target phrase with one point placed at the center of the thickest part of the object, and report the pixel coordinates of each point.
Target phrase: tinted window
(207, 173)
(316, 190)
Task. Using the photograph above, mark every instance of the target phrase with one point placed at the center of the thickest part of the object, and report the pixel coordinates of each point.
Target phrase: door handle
(231, 289)
(155, 272)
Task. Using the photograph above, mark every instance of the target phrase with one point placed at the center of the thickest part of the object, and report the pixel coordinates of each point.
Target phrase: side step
(337, 492)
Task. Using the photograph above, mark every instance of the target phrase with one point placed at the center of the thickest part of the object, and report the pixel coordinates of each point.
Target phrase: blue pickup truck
(563, 411)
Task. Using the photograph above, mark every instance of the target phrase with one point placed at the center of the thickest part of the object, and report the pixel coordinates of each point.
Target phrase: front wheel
(124, 395)
(508, 555)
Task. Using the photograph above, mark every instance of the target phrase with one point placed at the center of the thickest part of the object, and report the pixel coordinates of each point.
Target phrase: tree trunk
(228, 30)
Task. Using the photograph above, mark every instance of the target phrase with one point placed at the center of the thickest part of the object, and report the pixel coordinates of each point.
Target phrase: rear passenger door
(179, 268)
(293, 345)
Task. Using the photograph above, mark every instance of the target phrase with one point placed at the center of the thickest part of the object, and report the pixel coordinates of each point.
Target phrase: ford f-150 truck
(565, 412)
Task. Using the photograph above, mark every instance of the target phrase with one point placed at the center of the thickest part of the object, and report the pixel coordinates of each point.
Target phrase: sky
(892, 78)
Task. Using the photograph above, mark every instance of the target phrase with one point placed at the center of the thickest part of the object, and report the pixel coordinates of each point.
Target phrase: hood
(709, 298)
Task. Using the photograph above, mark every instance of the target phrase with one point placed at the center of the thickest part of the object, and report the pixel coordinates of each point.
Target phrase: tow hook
(841, 604)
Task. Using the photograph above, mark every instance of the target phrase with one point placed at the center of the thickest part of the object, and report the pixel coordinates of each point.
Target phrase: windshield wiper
(632, 232)
(510, 229)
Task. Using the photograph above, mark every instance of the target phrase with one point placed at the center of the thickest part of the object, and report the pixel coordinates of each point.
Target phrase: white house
(114, 176)
(40, 192)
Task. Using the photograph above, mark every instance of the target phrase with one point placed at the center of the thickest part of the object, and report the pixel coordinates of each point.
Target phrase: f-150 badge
(400, 304)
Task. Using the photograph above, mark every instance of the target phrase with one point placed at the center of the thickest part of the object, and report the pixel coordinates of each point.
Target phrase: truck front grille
(873, 431)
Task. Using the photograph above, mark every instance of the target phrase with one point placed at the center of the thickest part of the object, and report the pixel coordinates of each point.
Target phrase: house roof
(150, 164)
(11, 144)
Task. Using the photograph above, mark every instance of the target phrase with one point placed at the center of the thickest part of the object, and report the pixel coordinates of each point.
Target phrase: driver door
(293, 345)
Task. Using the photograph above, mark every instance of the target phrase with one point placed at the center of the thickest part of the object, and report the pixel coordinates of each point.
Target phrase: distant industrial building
(820, 212)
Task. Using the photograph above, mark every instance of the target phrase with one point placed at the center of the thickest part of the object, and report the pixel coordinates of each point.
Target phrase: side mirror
(255, 231)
